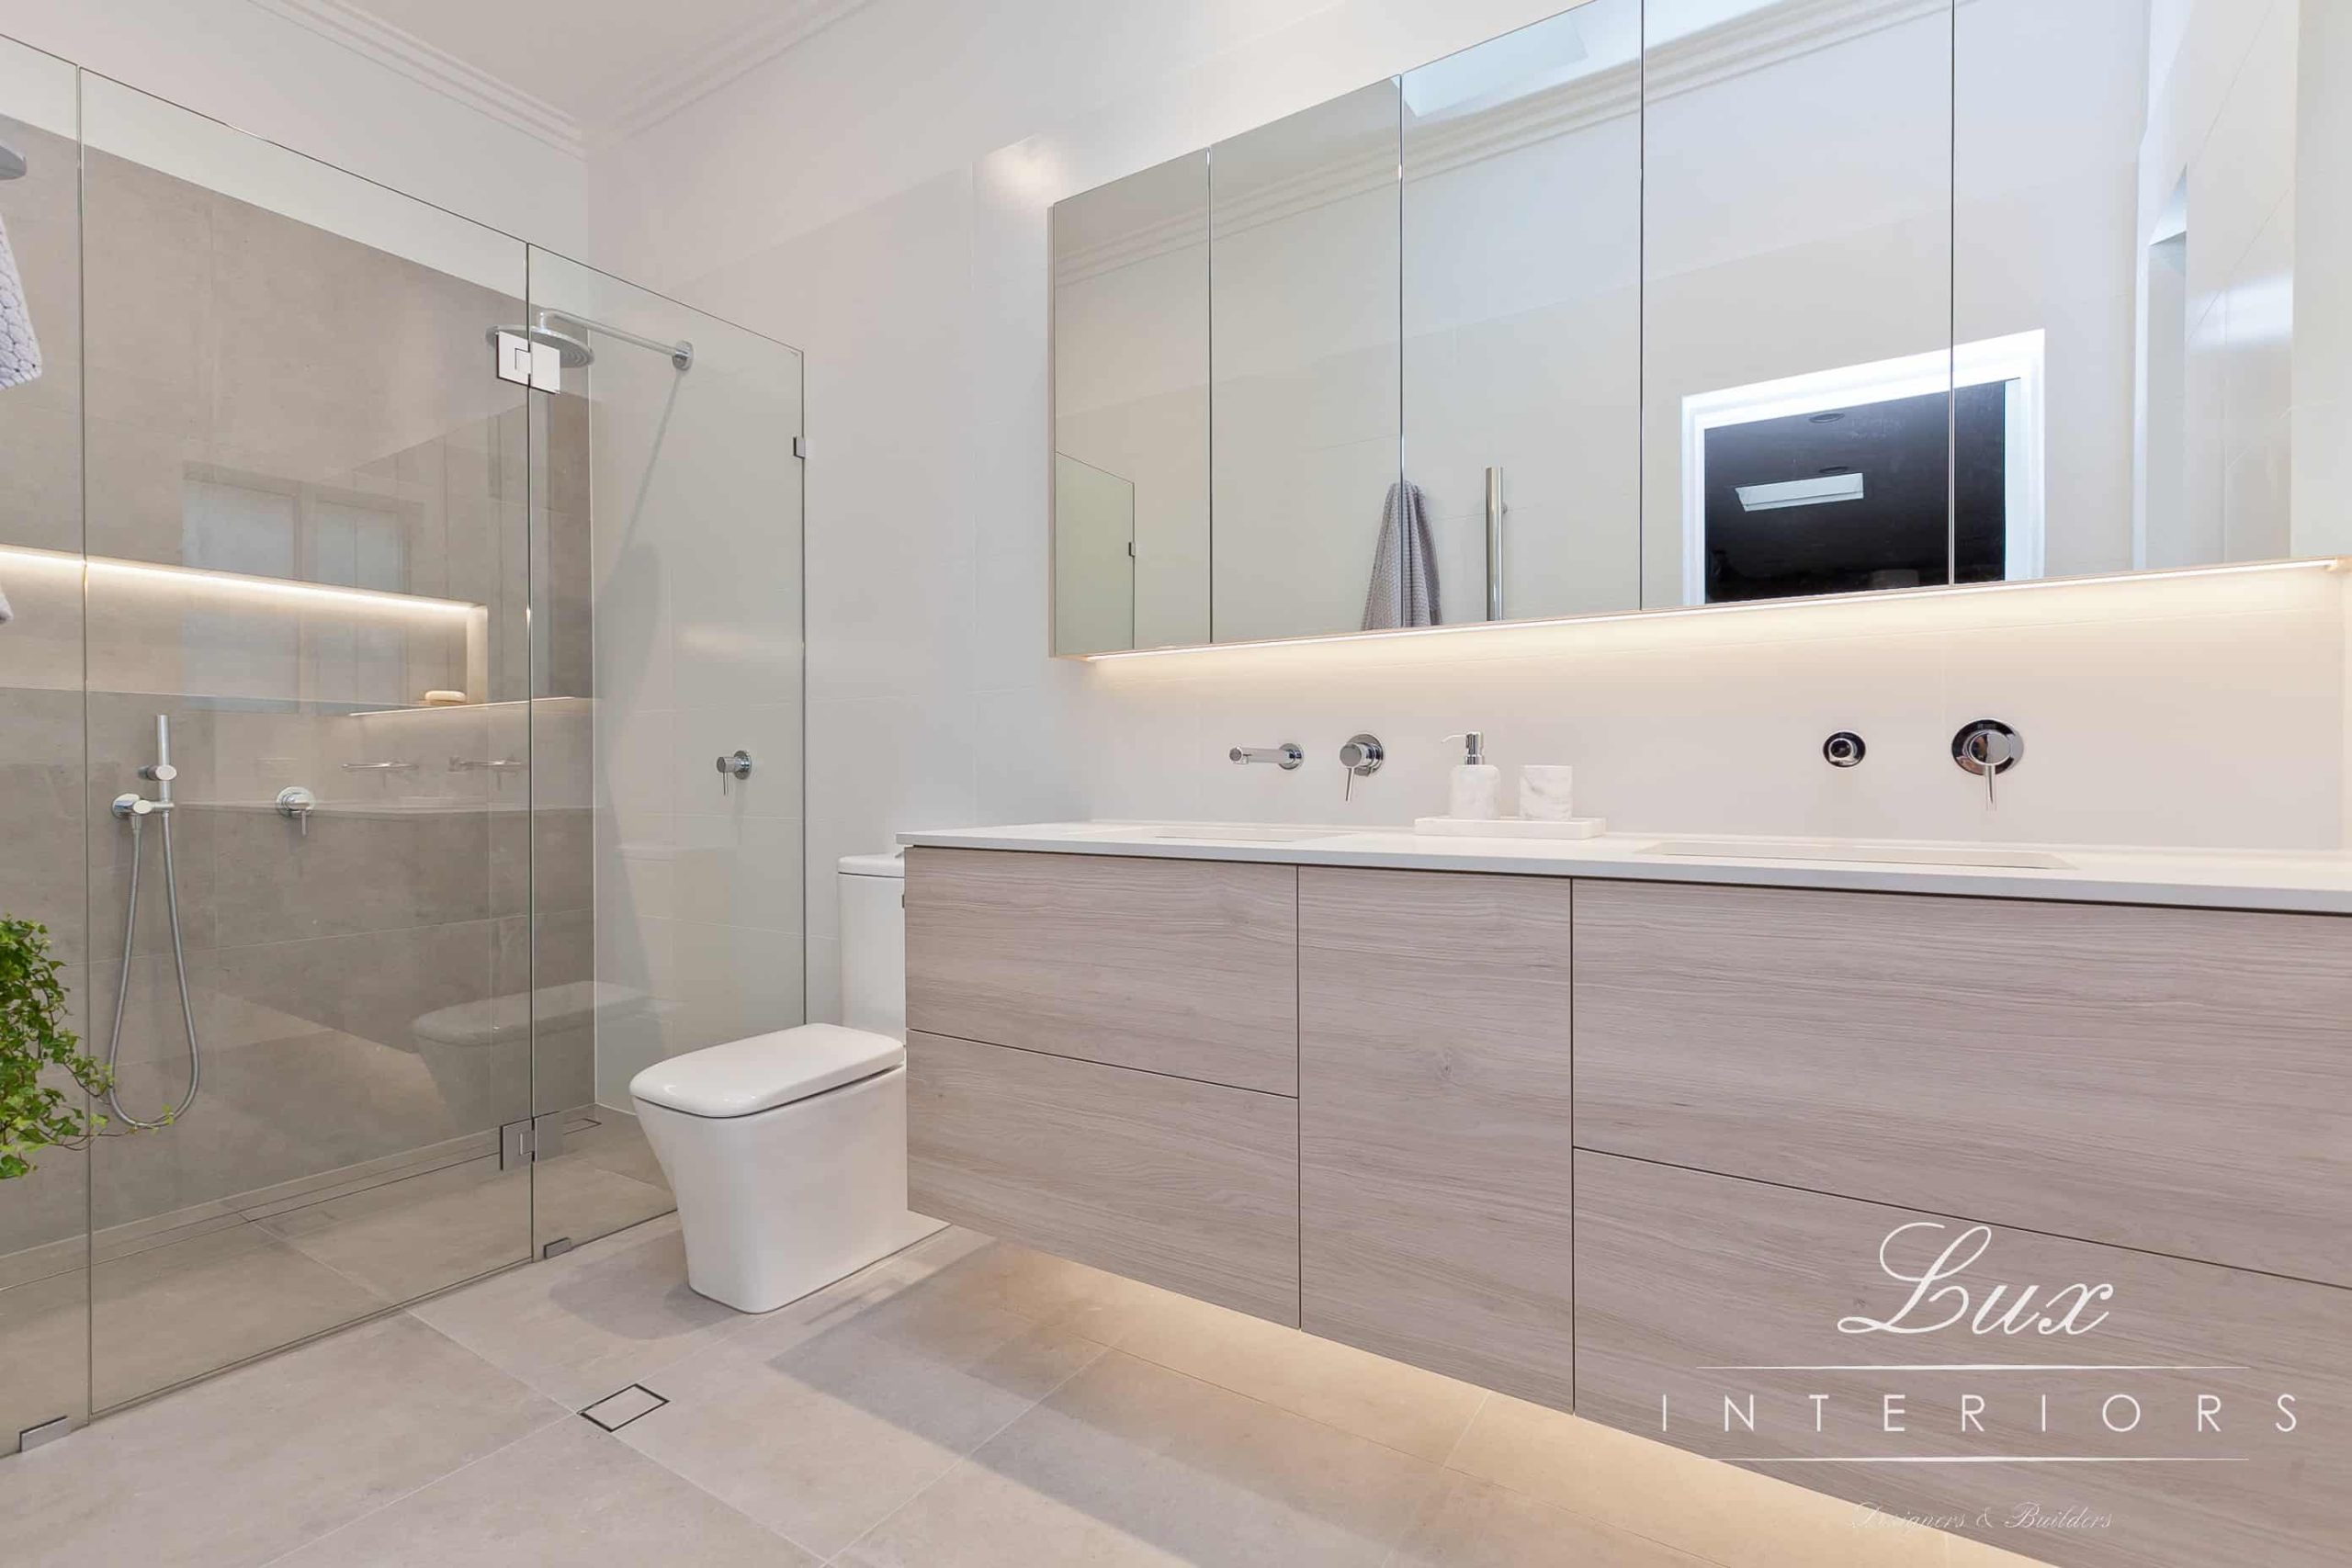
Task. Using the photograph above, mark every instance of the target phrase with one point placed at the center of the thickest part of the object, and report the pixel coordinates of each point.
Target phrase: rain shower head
(568, 338)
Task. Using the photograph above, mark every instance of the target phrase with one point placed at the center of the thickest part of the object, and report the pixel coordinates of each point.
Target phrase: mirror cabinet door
(1796, 298)
(1131, 412)
(2168, 225)
(1522, 315)
(1305, 403)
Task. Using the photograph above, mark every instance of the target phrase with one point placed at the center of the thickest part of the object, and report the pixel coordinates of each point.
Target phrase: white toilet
(787, 1151)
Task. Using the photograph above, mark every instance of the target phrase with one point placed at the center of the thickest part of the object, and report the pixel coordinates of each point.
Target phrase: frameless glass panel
(1797, 303)
(306, 492)
(1313, 529)
(1131, 405)
(44, 1283)
(668, 552)
(1522, 315)
(2151, 273)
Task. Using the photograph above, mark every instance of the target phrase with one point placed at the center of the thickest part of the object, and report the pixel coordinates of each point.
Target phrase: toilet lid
(744, 1077)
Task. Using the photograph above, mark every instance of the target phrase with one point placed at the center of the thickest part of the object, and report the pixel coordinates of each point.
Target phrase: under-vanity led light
(199, 578)
(1736, 606)
(1801, 493)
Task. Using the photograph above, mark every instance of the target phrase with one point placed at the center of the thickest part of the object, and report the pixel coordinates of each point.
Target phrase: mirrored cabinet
(1673, 303)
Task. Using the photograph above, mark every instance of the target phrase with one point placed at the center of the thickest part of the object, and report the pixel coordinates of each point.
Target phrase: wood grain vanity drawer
(1434, 1131)
(1693, 1289)
(1190, 1185)
(2178, 1080)
(1189, 967)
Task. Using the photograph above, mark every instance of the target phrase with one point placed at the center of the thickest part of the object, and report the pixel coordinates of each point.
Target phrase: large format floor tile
(192, 1306)
(44, 1348)
(823, 1417)
(265, 1459)
(1130, 1462)
(1723, 1514)
(566, 1495)
(408, 1238)
(615, 1311)
(1472, 1523)
(958, 1406)
(1399, 1406)
(984, 1272)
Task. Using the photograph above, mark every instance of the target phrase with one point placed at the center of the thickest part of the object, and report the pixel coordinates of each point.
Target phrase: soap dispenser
(1475, 791)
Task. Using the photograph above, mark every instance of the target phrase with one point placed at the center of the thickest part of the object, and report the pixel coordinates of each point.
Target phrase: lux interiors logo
(2001, 1404)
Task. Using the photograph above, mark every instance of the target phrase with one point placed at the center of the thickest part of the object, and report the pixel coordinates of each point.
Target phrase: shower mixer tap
(159, 772)
(136, 809)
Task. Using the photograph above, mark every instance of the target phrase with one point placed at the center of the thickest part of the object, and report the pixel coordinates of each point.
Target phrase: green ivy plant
(37, 1051)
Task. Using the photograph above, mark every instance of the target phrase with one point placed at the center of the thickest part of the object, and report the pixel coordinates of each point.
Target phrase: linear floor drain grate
(617, 1410)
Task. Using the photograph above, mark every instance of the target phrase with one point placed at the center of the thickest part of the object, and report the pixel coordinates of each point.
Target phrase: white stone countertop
(2313, 882)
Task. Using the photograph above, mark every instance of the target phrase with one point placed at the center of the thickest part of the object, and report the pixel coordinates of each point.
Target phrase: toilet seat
(746, 1076)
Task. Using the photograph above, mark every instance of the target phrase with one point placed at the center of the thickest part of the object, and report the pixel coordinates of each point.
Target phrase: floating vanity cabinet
(1187, 1185)
(1181, 966)
(2176, 1080)
(1838, 1186)
(1434, 1132)
(1725, 1316)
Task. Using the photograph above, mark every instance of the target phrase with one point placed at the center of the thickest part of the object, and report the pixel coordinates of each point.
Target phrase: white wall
(257, 70)
(879, 195)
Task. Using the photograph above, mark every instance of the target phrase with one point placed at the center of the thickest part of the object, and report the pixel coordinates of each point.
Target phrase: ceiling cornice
(395, 49)
(1752, 42)
(658, 94)
(637, 102)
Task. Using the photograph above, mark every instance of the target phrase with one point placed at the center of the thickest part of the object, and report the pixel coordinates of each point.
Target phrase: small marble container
(1547, 792)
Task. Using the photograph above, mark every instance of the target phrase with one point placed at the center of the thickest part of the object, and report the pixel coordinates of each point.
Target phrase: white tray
(1510, 828)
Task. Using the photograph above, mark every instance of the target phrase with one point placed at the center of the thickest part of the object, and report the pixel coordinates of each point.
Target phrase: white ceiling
(572, 71)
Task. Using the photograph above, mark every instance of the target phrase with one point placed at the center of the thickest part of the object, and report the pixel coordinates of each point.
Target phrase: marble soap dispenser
(1475, 789)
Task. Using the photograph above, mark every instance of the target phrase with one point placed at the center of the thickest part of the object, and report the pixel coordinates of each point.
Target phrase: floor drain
(617, 1410)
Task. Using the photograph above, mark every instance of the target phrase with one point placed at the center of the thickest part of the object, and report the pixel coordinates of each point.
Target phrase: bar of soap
(1547, 792)
(444, 699)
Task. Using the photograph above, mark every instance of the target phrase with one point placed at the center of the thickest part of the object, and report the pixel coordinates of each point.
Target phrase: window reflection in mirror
(1131, 412)
(1522, 314)
(1837, 482)
(1303, 324)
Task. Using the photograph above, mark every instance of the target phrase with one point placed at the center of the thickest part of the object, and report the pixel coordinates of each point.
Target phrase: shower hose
(179, 964)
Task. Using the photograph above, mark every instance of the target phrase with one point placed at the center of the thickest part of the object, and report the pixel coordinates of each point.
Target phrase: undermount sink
(1876, 854)
(1245, 833)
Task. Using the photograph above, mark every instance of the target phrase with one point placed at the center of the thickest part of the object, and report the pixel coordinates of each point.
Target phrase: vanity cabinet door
(1434, 1136)
(1729, 1317)
(1190, 1185)
(2176, 1080)
(1181, 967)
